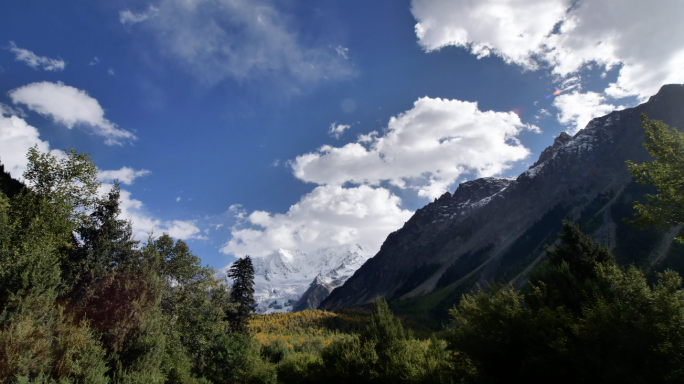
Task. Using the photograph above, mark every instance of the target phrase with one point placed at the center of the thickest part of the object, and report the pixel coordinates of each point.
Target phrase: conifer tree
(666, 145)
(242, 293)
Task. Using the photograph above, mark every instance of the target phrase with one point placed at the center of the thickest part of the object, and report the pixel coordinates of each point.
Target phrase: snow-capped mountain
(282, 277)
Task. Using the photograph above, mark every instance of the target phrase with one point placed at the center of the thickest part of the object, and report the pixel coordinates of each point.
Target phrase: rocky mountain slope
(494, 229)
(281, 278)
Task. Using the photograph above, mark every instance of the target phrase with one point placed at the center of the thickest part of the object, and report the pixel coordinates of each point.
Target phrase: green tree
(580, 319)
(242, 293)
(71, 178)
(41, 338)
(666, 208)
(106, 247)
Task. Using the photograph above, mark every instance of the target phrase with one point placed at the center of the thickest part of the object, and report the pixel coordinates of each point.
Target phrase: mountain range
(495, 229)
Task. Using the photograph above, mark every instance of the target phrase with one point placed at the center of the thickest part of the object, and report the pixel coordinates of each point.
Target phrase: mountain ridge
(495, 228)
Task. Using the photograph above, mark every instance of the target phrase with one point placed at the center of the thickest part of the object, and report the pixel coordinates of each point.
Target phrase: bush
(299, 368)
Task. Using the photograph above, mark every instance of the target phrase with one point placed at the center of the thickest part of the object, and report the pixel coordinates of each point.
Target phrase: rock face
(495, 228)
(314, 296)
(281, 278)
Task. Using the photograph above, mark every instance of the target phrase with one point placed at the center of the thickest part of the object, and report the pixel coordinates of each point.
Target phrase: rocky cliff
(494, 229)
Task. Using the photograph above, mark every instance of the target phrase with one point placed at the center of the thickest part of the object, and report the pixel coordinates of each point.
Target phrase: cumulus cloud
(642, 40)
(336, 130)
(239, 39)
(577, 109)
(16, 137)
(34, 61)
(329, 215)
(426, 148)
(69, 106)
(128, 18)
(510, 29)
(125, 175)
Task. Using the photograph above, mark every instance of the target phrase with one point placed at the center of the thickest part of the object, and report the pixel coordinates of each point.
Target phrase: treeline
(82, 302)
(581, 318)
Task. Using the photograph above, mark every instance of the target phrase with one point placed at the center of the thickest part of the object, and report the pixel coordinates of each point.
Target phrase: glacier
(283, 276)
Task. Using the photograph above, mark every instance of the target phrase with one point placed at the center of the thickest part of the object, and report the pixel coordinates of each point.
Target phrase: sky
(245, 126)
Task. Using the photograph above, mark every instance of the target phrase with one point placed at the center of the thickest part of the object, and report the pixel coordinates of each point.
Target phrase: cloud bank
(642, 40)
(69, 106)
(425, 148)
(329, 215)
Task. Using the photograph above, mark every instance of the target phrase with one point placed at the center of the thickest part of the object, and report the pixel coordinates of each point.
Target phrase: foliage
(242, 292)
(580, 319)
(666, 208)
(70, 178)
(308, 323)
(82, 302)
(105, 250)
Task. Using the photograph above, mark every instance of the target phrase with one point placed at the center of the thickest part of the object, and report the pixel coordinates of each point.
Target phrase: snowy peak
(282, 277)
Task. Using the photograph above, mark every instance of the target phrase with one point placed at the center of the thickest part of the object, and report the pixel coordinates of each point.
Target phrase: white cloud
(178, 199)
(336, 130)
(69, 106)
(143, 223)
(125, 175)
(577, 109)
(11, 111)
(94, 61)
(329, 215)
(34, 61)
(240, 39)
(237, 211)
(128, 18)
(426, 148)
(111, 72)
(16, 137)
(642, 39)
(510, 29)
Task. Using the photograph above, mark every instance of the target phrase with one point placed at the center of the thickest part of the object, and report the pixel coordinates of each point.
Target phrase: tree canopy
(665, 173)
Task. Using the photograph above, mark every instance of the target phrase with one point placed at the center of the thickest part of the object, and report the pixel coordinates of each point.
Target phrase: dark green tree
(581, 319)
(41, 338)
(106, 247)
(665, 172)
(242, 293)
(569, 277)
(384, 329)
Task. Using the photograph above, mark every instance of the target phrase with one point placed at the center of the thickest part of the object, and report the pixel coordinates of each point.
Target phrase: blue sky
(244, 126)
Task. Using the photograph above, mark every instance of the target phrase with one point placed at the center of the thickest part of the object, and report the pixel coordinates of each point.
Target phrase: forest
(82, 301)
